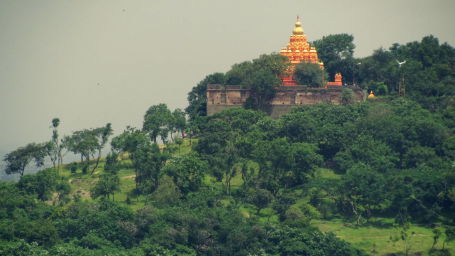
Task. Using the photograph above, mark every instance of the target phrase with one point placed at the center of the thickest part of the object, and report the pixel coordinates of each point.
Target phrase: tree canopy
(310, 74)
(19, 159)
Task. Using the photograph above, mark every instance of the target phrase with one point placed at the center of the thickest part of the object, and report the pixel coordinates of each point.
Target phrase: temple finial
(298, 27)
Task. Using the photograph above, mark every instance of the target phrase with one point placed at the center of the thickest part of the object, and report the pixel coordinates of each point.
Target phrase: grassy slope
(374, 239)
(377, 237)
(377, 240)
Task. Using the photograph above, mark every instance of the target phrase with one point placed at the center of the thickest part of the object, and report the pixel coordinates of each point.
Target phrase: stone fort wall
(221, 97)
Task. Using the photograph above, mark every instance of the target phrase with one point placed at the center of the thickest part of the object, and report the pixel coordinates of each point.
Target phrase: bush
(85, 168)
(73, 167)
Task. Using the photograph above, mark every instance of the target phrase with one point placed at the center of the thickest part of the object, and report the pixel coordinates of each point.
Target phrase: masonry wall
(220, 97)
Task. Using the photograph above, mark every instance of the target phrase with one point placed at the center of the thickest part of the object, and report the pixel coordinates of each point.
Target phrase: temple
(298, 51)
(290, 94)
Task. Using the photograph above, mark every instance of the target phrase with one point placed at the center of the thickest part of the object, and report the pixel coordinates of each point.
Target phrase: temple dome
(298, 30)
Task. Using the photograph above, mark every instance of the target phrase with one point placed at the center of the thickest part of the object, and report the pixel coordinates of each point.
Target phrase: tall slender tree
(53, 146)
(102, 134)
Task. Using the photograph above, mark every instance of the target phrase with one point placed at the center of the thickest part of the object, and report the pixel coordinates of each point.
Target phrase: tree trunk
(354, 210)
(156, 182)
(60, 159)
(228, 184)
(97, 161)
(135, 178)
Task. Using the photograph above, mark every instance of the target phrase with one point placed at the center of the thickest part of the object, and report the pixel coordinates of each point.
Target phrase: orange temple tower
(299, 50)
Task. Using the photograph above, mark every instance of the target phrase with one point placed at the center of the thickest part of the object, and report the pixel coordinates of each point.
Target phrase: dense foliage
(310, 74)
(260, 75)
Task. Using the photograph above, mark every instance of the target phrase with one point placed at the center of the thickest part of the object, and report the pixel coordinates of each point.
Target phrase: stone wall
(220, 97)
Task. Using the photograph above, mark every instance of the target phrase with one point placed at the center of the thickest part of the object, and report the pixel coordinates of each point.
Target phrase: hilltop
(371, 178)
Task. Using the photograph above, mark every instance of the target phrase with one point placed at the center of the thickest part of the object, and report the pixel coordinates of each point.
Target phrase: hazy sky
(92, 62)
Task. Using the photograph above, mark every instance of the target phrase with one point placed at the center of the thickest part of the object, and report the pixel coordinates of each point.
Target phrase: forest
(373, 178)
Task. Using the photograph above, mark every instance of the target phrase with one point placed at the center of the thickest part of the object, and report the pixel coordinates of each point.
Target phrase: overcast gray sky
(92, 62)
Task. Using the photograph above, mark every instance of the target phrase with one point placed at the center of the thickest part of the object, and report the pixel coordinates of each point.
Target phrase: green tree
(53, 147)
(142, 153)
(100, 221)
(88, 143)
(63, 149)
(261, 76)
(107, 185)
(427, 68)
(305, 161)
(260, 198)
(167, 193)
(363, 191)
(83, 142)
(102, 134)
(365, 149)
(148, 162)
(179, 124)
(43, 184)
(197, 98)
(130, 140)
(310, 74)
(19, 159)
(112, 161)
(157, 120)
(187, 171)
(283, 164)
(330, 127)
(262, 88)
(336, 51)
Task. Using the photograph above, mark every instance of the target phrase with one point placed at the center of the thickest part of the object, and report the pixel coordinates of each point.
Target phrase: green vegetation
(260, 75)
(310, 74)
(380, 238)
(376, 178)
(337, 53)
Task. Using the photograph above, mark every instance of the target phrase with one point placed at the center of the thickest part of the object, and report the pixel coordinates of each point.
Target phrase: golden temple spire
(371, 95)
(298, 30)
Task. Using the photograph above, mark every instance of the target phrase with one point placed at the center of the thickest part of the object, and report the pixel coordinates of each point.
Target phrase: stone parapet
(221, 97)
